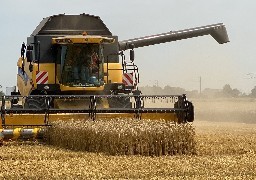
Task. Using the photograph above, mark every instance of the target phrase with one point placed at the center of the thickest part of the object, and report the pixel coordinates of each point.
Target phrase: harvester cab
(80, 60)
(70, 68)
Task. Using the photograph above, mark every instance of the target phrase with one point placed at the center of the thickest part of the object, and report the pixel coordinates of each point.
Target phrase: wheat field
(224, 150)
(124, 137)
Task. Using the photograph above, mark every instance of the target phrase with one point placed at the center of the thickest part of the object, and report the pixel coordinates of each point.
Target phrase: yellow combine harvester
(70, 67)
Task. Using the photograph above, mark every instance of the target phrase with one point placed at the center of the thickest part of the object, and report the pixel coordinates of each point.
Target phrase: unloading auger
(217, 31)
(70, 69)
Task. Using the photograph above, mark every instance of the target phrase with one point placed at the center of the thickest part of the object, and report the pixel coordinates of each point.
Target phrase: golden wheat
(219, 157)
(224, 150)
(124, 137)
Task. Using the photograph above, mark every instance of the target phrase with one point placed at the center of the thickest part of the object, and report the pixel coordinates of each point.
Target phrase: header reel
(175, 108)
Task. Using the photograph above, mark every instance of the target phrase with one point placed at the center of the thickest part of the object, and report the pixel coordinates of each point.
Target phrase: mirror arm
(38, 53)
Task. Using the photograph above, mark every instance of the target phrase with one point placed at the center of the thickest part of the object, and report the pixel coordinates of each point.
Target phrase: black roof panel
(71, 25)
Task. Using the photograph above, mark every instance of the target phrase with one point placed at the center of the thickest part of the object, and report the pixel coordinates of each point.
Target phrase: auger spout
(217, 31)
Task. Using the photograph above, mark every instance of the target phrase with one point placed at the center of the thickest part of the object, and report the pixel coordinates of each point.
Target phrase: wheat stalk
(123, 137)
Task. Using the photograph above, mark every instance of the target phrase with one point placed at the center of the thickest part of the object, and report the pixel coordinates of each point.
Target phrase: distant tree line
(225, 92)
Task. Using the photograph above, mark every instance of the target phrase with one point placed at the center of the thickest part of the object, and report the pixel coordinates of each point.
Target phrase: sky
(177, 64)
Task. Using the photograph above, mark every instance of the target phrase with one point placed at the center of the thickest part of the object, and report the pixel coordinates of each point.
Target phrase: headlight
(120, 86)
(46, 87)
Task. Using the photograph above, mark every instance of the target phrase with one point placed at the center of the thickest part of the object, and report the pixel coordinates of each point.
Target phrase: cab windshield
(81, 65)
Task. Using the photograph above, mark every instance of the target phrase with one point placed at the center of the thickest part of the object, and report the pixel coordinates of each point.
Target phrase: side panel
(115, 73)
(24, 79)
(49, 68)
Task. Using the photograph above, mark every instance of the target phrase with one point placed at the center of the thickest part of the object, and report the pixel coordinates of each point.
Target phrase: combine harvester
(72, 67)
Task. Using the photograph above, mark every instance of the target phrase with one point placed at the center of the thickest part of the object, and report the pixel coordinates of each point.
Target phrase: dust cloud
(241, 110)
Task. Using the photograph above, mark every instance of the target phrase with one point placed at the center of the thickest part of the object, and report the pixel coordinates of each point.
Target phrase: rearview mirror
(132, 55)
(29, 48)
(29, 56)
